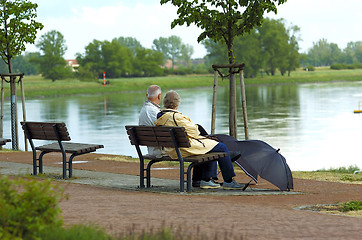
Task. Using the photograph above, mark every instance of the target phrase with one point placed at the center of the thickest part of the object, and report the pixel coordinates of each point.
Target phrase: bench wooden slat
(158, 136)
(45, 130)
(196, 158)
(70, 147)
(49, 135)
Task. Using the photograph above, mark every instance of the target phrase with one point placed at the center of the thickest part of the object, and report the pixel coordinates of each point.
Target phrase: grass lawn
(36, 86)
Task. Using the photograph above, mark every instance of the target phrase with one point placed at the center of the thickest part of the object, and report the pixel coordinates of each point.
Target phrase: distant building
(73, 63)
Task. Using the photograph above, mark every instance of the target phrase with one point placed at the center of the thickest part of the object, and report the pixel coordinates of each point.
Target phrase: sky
(82, 21)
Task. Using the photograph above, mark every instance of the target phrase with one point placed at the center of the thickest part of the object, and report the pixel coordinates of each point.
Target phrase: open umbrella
(259, 158)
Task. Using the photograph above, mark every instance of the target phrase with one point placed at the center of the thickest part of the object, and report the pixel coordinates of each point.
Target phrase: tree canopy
(173, 48)
(222, 20)
(121, 57)
(51, 62)
(17, 27)
(268, 47)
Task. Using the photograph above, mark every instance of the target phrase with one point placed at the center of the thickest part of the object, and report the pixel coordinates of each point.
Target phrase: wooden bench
(165, 136)
(54, 131)
(3, 141)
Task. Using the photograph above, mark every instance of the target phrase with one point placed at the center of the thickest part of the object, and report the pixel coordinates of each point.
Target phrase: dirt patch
(227, 217)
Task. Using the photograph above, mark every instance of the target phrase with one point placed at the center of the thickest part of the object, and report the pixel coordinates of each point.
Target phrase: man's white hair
(153, 91)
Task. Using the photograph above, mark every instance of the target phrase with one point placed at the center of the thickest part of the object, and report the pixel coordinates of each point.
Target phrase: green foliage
(173, 48)
(222, 21)
(23, 64)
(328, 54)
(309, 68)
(52, 64)
(352, 206)
(350, 169)
(131, 43)
(27, 207)
(351, 178)
(122, 57)
(17, 27)
(340, 66)
(271, 46)
(323, 53)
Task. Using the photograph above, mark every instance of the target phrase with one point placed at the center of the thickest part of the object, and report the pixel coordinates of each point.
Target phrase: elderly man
(149, 113)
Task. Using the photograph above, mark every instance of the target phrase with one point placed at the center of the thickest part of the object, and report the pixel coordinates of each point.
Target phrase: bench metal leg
(64, 160)
(35, 163)
(41, 162)
(70, 163)
(148, 172)
(188, 177)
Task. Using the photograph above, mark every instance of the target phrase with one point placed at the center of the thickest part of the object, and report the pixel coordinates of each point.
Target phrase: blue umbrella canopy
(259, 158)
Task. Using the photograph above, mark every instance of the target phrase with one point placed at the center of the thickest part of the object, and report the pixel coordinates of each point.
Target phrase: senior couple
(205, 174)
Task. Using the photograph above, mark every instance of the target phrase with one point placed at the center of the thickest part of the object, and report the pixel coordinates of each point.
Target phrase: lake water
(313, 124)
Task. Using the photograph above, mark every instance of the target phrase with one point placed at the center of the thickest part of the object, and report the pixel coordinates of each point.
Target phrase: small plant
(27, 207)
(351, 178)
(352, 206)
(350, 169)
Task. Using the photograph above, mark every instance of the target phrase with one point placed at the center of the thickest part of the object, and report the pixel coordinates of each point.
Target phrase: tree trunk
(232, 91)
(14, 112)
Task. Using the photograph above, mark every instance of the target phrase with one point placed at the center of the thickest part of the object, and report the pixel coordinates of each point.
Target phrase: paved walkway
(127, 182)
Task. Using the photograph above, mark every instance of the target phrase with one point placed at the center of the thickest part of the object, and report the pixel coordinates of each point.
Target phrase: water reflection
(313, 124)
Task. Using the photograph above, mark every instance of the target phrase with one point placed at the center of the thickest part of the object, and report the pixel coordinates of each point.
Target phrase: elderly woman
(199, 144)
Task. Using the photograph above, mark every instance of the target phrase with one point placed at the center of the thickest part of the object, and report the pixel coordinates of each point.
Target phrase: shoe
(208, 185)
(232, 185)
(196, 184)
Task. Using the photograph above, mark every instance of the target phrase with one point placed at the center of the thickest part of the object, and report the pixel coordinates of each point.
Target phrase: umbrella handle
(246, 185)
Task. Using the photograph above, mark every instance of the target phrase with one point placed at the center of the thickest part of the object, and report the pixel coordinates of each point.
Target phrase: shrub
(350, 169)
(310, 68)
(352, 206)
(27, 207)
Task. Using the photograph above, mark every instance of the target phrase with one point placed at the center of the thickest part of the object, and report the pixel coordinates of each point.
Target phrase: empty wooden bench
(54, 131)
(166, 136)
(3, 141)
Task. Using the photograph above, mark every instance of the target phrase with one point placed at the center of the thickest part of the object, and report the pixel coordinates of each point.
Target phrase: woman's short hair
(171, 100)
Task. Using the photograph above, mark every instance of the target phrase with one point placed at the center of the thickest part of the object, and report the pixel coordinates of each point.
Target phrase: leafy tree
(275, 45)
(186, 52)
(17, 27)
(121, 57)
(27, 63)
(171, 48)
(353, 53)
(223, 21)
(293, 50)
(147, 63)
(270, 46)
(250, 49)
(117, 59)
(324, 54)
(131, 43)
(91, 64)
(52, 64)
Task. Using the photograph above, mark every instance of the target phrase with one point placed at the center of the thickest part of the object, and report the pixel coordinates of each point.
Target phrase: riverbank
(120, 211)
(36, 86)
